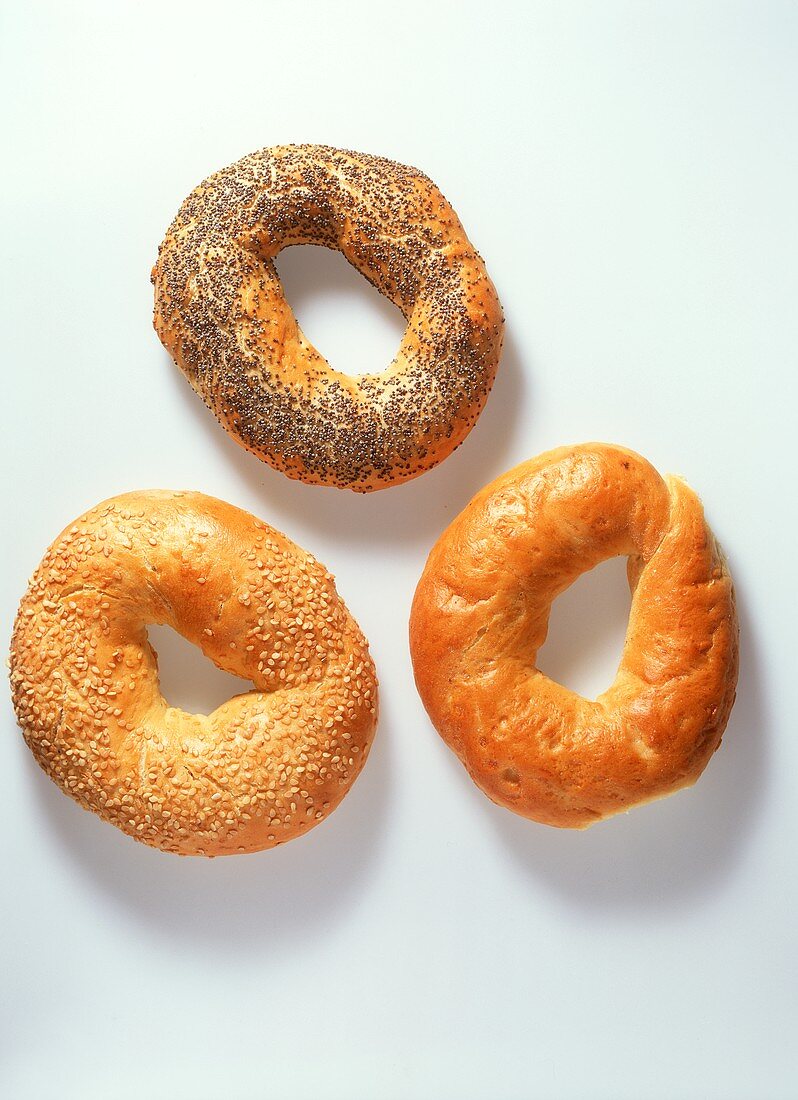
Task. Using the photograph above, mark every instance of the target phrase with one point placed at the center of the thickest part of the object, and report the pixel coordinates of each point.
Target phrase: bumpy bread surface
(264, 767)
(481, 613)
(221, 313)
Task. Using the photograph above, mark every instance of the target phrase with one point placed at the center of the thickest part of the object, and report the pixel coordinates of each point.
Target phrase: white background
(629, 172)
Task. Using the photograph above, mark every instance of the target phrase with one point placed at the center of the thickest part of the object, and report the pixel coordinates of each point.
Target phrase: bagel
(221, 313)
(481, 611)
(264, 767)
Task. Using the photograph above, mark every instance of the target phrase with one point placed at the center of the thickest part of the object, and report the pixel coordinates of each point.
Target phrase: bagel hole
(188, 679)
(323, 288)
(587, 630)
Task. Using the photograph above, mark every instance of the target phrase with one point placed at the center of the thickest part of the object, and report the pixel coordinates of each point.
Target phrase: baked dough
(221, 313)
(264, 767)
(481, 611)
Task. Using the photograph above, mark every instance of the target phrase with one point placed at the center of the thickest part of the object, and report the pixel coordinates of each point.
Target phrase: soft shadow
(587, 630)
(322, 287)
(188, 679)
(264, 902)
(413, 513)
(672, 852)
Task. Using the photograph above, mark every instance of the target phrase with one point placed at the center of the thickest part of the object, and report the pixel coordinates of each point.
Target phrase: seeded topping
(265, 766)
(221, 312)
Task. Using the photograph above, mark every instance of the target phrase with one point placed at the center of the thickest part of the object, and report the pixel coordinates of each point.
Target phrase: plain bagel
(264, 767)
(221, 313)
(481, 613)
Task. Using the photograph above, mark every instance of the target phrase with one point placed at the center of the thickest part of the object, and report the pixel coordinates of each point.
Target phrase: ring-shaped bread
(221, 313)
(481, 613)
(264, 767)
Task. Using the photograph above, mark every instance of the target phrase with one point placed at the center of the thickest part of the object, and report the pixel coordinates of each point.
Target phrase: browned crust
(481, 611)
(221, 313)
(263, 768)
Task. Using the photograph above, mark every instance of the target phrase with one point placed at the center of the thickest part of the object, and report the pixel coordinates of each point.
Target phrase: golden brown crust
(481, 612)
(263, 768)
(221, 313)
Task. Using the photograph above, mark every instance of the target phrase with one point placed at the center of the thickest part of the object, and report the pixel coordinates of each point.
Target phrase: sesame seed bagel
(481, 613)
(264, 767)
(221, 313)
